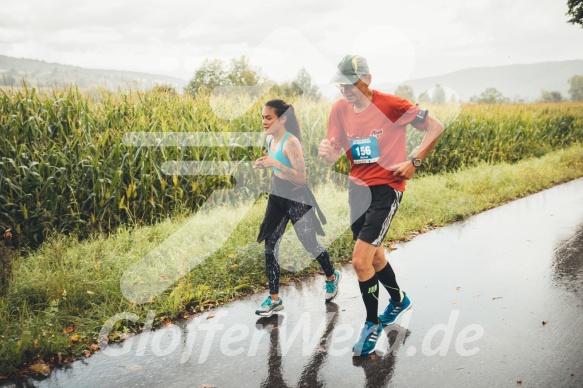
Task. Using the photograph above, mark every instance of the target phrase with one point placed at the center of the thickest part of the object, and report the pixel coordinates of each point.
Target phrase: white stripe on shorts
(387, 221)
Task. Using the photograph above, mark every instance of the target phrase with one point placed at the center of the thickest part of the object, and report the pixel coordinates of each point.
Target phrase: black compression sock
(387, 278)
(369, 290)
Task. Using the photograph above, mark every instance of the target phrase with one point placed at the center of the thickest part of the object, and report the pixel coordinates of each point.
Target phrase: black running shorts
(371, 211)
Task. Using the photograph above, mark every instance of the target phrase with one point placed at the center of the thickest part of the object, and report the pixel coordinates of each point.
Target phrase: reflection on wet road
(568, 263)
(309, 376)
(378, 368)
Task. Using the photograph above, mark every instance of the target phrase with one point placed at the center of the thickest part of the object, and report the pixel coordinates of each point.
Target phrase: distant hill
(517, 82)
(46, 74)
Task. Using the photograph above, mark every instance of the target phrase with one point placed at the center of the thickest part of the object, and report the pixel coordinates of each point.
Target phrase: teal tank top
(279, 154)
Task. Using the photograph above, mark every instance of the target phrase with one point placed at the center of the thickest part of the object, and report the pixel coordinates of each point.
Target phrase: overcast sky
(402, 40)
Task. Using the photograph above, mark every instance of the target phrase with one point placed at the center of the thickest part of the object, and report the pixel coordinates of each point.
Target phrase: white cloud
(389, 51)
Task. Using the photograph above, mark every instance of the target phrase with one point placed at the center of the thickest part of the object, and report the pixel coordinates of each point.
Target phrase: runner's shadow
(379, 367)
(274, 370)
(309, 376)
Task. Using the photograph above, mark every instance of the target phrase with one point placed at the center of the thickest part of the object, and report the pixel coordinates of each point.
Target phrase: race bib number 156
(365, 150)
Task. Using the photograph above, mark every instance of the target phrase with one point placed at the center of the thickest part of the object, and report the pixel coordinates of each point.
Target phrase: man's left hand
(404, 170)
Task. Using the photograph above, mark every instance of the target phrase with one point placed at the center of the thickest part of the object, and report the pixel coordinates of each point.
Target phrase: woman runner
(290, 199)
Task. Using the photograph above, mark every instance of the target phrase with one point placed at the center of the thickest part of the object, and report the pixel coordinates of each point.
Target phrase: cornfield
(64, 167)
(506, 133)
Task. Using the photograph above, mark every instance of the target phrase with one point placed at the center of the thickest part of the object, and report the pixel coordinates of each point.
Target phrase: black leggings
(284, 210)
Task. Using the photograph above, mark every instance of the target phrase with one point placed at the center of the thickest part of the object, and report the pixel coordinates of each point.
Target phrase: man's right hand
(327, 152)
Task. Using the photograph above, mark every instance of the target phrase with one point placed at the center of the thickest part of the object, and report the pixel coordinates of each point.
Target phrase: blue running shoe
(331, 286)
(394, 311)
(367, 341)
(269, 306)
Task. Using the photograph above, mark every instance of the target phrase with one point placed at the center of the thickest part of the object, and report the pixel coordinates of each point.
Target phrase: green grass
(76, 284)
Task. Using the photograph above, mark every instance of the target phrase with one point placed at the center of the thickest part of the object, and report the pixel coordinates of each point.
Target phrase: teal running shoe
(331, 286)
(367, 341)
(394, 311)
(269, 307)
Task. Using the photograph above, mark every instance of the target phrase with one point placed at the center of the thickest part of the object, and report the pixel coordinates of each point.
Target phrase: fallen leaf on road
(496, 297)
(41, 368)
(545, 322)
(210, 316)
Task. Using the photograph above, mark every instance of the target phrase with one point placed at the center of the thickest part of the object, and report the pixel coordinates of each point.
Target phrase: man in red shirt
(370, 127)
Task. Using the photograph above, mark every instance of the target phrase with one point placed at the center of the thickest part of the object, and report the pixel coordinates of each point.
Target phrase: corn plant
(65, 169)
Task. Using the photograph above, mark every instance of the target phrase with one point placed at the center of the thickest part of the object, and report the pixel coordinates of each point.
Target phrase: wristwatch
(416, 161)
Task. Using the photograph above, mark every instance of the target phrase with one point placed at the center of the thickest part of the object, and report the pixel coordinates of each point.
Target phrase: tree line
(492, 95)
(239, 72)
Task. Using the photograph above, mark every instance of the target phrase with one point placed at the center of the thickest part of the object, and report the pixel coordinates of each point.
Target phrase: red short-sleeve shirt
(386, 119)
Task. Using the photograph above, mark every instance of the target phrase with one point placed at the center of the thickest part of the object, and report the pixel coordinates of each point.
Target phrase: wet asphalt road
(481, 290)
